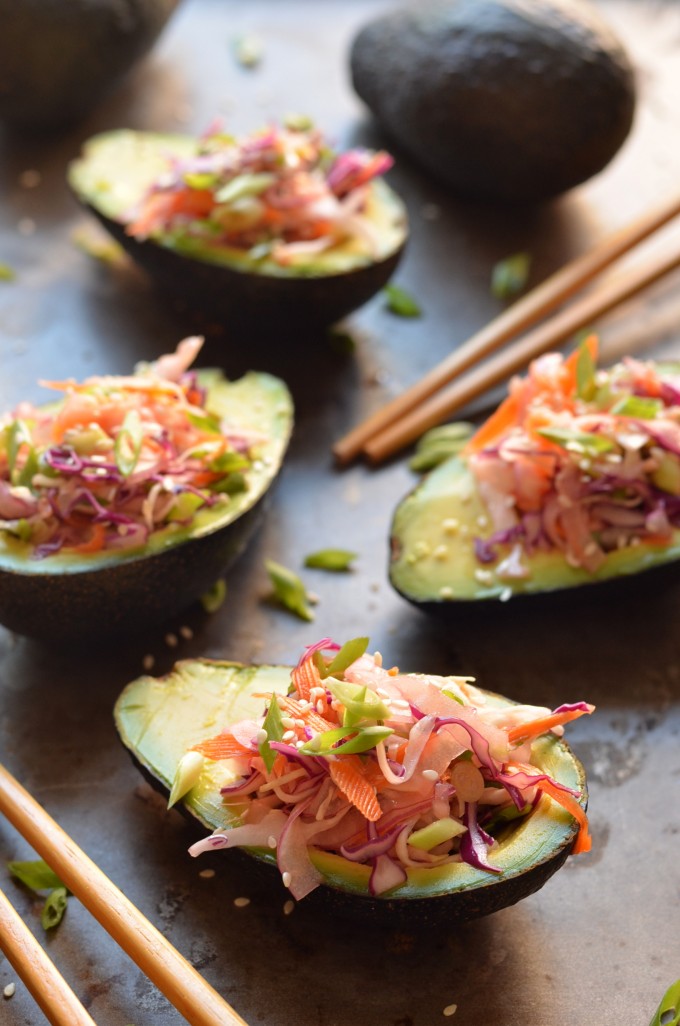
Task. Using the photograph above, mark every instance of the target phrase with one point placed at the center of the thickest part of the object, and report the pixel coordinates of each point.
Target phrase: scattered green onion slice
(668, 1012)
(638, 406)
(439, 444)
(6, 273)
(336, 560)
(289, 591)
(585, 374)
(214, 597)
(54, 908)
(38, 877)
(509, 276)
(400, 302)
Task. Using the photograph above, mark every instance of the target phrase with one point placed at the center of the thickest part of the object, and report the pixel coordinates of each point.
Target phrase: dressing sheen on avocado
(412, 834)
(263, 225)
(574, 480)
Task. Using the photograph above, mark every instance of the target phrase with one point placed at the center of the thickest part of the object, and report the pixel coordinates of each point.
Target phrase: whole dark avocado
(502, 100)
(58, 59)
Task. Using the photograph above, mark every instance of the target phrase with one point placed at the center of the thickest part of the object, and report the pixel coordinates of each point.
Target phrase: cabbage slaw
(116, 459)
(279, 193)
(386, 769)
(580, 461)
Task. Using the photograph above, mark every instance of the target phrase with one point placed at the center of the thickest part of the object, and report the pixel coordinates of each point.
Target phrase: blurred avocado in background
(513, 101)
(59, 58)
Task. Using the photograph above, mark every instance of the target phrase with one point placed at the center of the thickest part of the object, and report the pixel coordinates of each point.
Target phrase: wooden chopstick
(497, 368)
(59, 1004)
(559, 287)
(184, 987)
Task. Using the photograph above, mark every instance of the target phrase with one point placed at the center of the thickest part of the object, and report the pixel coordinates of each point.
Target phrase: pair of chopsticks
(184, 987)
(429, 402)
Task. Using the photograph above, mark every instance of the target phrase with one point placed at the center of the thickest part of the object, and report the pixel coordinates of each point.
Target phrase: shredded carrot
(348, 777)
(504, 418)
(305, 677)
(94, 543)
(300, 711)
(583, 840)
(161, 205)
(523, 731)
(224, 746)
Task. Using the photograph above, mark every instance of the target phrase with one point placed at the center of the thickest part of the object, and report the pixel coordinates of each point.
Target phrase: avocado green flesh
(258, 403)
(117, 169)
(160, 719)
(433, 556)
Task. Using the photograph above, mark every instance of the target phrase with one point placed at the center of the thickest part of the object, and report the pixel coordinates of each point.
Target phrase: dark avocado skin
(282, 305)
(93, 598)
(158, 719)
(58, 58)
(502, 100)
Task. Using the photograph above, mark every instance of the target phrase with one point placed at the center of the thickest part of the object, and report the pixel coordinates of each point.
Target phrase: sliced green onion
(214, 598)
(7, 273)
(348, 654)
(36, 875)
(509, 276)
(54, 908)
(336, 560)
(436, 833)
(642, 407)
(578, 441)
(289, 591)
(439, 444)
(360, 702)
(243, 186)
(585, 374)
(187, 774)
(363, 740)
(274, 729)
(400, 302)
(668, 1012)
(128, 444)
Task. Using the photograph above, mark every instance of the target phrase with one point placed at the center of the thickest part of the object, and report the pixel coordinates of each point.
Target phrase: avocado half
(117, 168)
(159, 719)
(433, 562)
(82, 597)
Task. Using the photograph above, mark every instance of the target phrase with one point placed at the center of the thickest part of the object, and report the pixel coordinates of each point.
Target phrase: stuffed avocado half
(124, 501)
(373, 801)
(573, 482)
(262, 227)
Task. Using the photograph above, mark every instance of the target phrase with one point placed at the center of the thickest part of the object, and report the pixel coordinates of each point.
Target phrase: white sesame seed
(483, 576)
(261, 736)
(207, 874)
(299, 723)
(171, 640)
(482, 521)
(286, 878)
(288, 908)
(320, 707)
(288, 722)
(271, 841)
(148, 661)
(441, 552)
(505, 595)
(186, 632)
(450, 525)
(289, 736)
(421, 548)
(446, 592)
(430, 774)
(450, 1010)
(241, 902)
(9, 990)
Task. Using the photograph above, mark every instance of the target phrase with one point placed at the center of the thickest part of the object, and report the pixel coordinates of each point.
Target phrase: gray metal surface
(600, 943)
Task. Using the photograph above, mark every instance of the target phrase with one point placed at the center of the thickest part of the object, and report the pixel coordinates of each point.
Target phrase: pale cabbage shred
(439, 768)
(116, 459)
(582, 463)
(278, 193)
